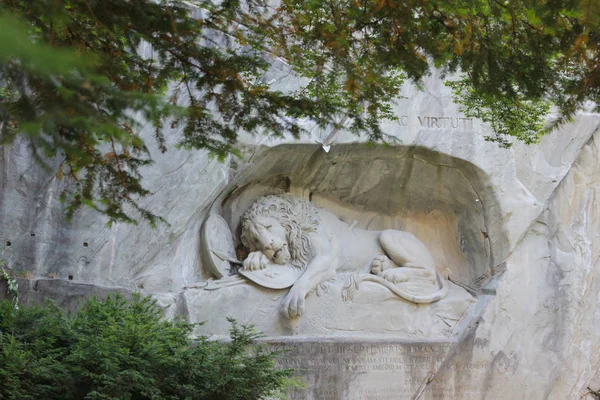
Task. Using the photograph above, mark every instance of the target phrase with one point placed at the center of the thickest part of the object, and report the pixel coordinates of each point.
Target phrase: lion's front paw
(293, 304)
(255, 261)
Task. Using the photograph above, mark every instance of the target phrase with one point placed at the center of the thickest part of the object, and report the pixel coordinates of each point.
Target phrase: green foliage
(114, 349)
(12, 285)
(80, 77)
(523, 120)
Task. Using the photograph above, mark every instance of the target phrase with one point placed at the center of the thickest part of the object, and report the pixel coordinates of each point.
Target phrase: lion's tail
(355, 281)
(351, 287)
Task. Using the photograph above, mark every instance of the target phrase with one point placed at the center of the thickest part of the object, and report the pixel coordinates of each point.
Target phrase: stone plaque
(379, 370)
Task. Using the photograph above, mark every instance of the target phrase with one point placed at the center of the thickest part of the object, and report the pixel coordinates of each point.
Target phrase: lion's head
(280, 227)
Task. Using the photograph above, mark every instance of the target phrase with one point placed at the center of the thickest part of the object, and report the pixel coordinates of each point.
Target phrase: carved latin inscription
(380, 371)
(437, 122)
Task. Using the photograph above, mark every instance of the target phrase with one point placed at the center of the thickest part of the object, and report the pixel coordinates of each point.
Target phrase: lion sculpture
(281, 229)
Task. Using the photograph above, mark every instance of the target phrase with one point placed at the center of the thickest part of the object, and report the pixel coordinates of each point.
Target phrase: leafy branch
(11, 285)
(80, 78)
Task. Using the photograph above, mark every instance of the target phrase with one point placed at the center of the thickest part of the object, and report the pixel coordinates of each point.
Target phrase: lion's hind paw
(379, 264)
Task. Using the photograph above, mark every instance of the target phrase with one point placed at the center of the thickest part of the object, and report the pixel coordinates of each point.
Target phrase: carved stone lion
(287, 230)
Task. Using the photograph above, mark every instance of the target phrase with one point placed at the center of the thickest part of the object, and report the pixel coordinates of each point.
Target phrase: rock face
(514, 233)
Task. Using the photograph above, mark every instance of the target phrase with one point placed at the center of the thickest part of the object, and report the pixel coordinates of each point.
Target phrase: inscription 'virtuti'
(438, 122)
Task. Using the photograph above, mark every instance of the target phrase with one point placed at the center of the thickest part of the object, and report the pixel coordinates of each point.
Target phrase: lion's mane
(298, 217)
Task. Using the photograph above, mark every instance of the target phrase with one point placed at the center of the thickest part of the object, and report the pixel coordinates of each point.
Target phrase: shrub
(115, 349)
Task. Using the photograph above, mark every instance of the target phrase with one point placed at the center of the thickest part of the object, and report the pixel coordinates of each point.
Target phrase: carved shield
(217, 245)
(274, 276)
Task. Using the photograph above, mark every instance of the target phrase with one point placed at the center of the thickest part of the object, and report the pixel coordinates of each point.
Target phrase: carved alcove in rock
(444, 201)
